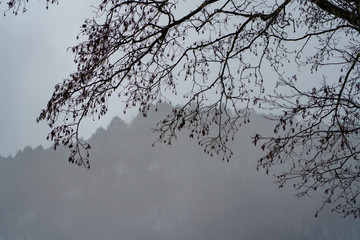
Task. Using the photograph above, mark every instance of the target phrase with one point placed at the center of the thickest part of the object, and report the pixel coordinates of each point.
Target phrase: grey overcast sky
(33, 59)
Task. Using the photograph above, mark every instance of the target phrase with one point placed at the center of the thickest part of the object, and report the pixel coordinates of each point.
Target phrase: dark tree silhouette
(20, 5)
(146, 50)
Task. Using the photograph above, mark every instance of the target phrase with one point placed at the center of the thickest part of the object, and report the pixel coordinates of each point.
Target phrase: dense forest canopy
(162, 193)
(145, 51)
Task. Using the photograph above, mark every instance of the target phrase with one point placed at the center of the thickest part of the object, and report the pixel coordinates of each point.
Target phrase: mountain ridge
(136, 191)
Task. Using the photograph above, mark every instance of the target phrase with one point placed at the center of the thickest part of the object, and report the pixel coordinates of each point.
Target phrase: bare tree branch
(145, 51)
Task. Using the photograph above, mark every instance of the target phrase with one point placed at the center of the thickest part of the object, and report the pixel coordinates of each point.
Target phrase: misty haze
(84, 69)
(136, 191)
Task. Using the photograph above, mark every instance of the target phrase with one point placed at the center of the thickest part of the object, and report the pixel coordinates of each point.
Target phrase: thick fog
(136, 191)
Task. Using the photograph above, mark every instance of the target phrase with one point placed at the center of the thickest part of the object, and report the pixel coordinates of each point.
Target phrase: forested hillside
(136, 191)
